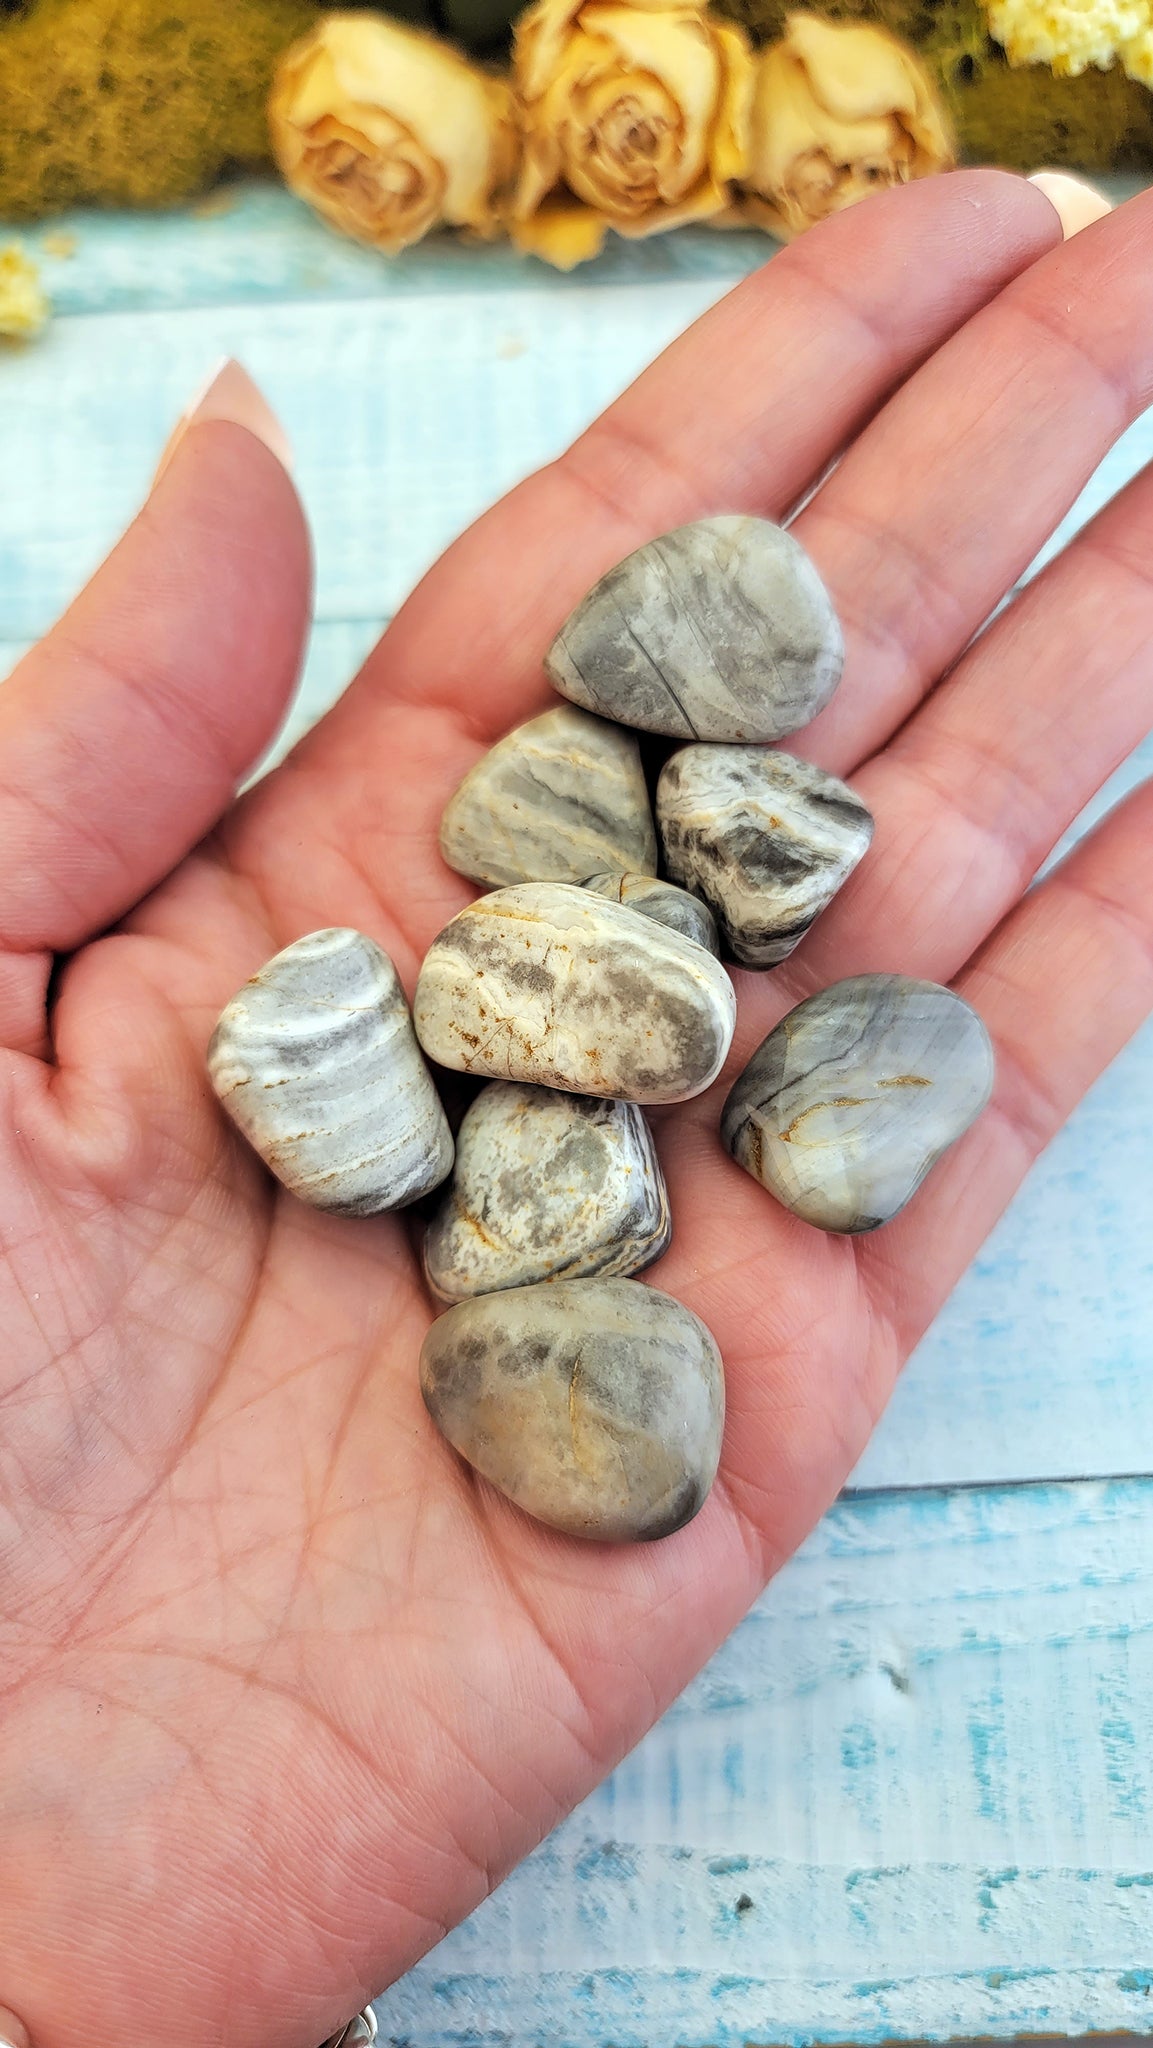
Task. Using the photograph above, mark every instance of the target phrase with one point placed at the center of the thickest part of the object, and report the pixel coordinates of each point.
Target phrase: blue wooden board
(924, 1758)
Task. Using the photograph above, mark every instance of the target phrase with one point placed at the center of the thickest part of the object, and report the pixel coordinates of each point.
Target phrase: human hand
(283, 1687)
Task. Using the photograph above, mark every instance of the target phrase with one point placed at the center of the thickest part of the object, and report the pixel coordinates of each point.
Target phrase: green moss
(134, 102)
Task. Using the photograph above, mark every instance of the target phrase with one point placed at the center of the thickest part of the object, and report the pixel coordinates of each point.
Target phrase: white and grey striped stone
(316, 1060)
(550, 984)
(546, 1186)
(721, 630)
(663, 901)
(846, 1106)
(558, 799)
(596, 1405)
(766, 839)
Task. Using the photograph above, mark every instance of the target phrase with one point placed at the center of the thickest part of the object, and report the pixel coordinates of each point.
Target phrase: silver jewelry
(357, 2034)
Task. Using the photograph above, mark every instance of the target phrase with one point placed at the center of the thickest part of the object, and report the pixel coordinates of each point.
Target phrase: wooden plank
(252, 243)
(910, 1798)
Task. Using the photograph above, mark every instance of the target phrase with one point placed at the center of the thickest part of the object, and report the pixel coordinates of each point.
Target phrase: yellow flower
(635, 117)
(838, 111)
(1072, 35)
(24, 308)
(388, 133)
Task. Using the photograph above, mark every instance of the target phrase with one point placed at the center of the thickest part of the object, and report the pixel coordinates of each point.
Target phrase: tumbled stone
(596, 1405)
(546, 1186)
(766, 839)
(316, 1061)
(558, 799)
(845, 1107)
(721, 630)
(663, 901)
(550, 984)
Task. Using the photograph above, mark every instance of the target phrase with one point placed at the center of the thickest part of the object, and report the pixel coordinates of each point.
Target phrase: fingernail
(12, 2034)
(228, 394)
(1078, 203)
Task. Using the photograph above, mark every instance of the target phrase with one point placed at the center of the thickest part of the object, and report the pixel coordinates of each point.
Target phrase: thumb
(124, 733)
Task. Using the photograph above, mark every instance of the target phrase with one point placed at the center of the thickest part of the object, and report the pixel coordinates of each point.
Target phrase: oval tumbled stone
(556, 800)
(546, 1186)
(663, 901)
(549, 984)
(315, 1059)
(596, 1405)
(766, 839)
(721, 630)
(844, 1108)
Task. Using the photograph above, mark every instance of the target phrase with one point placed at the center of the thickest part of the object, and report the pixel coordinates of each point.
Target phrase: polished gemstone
(560, 798)
(665, 902)
(551, 984)
(721, 630)
(596, 1405)
(766, 839)
(846, 1106)
(547, 1186)
(316, 1060)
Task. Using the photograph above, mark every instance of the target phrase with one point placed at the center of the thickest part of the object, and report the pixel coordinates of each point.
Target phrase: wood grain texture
(911, 1797)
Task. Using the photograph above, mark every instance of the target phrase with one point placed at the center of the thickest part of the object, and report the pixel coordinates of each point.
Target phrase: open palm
(283, 1688)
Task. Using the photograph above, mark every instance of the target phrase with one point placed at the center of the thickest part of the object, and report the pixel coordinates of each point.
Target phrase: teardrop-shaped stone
(720, 630)
(556, 800)
(846, 1106)
(550, 984)
(546, 1186)
(663, 901)
(595, 1405)
(316, 1060)
(766, 839)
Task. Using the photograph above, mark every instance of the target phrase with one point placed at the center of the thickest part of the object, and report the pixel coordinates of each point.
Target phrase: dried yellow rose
(634, 117)
(389, 133)
(24, 309)
(839, 110)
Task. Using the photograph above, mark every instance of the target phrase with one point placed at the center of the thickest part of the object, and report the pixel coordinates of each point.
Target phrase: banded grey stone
(766, 839)
(558, 799)
(663, 901)
(596, 1405)
(546, 1186)
(721, 630)
(316, 1061)
(846, 1106)
(550, 984)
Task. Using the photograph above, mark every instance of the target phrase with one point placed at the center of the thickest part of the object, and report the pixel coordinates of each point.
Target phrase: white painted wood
(924, 1763)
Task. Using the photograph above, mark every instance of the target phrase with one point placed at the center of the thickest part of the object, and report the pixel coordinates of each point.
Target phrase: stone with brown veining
(597, 1406)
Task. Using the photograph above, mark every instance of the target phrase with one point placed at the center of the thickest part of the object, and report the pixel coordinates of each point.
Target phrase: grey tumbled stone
(721, 630)
(596, 1405)
(546, 1186)
(558, 799)
(766, 839)
(663, 901)
(316, 1061)
(550, 984)
(845, 1107)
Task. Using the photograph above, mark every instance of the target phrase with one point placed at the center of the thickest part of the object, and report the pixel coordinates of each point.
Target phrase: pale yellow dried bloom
(24, 306)
(388, 132)
(635, 117)
(840, 110)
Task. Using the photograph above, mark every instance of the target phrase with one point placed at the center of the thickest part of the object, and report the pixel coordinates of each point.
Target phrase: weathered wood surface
(912, 1797)
(925, 1757)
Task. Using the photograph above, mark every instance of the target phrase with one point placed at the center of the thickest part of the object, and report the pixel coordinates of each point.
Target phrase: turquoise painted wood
(924, 1759)
(912, 1797)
